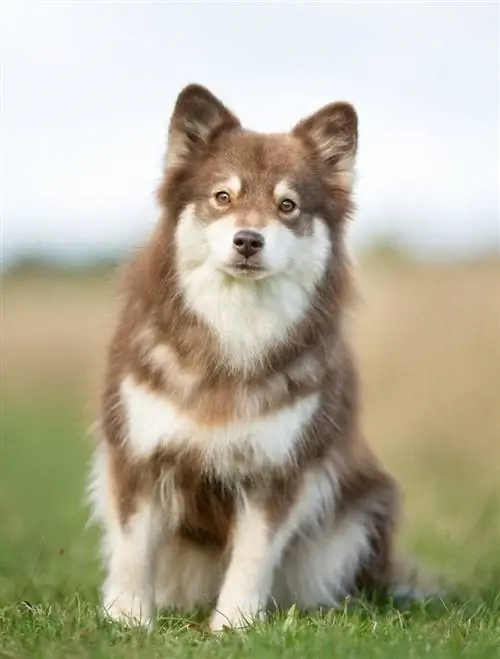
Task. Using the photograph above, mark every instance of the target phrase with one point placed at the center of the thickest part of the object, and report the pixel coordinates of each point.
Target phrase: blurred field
(428, 339)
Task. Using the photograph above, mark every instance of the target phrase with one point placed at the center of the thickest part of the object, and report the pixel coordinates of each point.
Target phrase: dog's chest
(237, 445)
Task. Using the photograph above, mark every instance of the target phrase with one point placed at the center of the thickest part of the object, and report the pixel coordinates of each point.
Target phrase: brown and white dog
(231, 469)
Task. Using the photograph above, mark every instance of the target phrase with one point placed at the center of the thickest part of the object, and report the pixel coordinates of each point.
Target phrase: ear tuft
(198, 117)
(332, 132)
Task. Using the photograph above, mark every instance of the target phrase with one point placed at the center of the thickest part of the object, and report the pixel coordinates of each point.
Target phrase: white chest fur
(267, 441)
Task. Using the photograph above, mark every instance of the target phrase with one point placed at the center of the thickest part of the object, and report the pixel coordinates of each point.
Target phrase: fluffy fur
(231, 470)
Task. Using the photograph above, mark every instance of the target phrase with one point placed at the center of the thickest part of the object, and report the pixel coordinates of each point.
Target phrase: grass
(427, 339)
(74, 629)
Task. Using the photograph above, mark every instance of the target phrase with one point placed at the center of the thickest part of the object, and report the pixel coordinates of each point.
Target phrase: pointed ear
(197, 119)
(332, 133)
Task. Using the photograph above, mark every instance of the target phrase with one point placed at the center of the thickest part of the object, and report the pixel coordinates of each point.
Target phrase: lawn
(429, 347)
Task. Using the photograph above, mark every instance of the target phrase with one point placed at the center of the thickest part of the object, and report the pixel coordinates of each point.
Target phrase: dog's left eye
(287, 206)
(222, 198)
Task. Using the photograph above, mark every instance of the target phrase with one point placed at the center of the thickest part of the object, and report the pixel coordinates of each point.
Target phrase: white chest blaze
(155, 423)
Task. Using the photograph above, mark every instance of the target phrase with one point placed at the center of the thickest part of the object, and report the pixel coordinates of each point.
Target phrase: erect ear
(332, 133)
(198, 117)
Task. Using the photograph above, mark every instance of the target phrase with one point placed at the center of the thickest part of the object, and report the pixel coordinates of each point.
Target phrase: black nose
(248, 243)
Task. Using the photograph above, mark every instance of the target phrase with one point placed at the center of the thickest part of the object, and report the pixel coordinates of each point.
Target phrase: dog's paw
(235, 620)
(129, 610)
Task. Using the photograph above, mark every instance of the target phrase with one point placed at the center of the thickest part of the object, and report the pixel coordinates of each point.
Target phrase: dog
(231, 469)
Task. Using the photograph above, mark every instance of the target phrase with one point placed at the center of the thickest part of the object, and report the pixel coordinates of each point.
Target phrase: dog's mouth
(245, 266)
(246, 269)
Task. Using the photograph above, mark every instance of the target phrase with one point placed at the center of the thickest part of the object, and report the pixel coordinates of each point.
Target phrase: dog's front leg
(256, 551)
(128, 593)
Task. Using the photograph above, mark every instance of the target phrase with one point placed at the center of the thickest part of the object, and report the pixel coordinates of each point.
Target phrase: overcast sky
(88, 89)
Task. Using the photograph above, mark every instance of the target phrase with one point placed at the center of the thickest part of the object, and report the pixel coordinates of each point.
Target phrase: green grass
(73, 628)
(49, 575)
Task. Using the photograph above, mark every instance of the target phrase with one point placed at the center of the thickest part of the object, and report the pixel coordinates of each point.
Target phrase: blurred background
(87, 90)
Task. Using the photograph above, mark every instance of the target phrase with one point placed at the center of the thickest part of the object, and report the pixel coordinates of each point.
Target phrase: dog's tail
(411, 583)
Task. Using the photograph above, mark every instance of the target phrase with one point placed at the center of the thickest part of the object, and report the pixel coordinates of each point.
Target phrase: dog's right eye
(222, 198)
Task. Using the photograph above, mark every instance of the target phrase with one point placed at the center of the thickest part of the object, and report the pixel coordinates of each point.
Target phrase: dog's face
(254, 206)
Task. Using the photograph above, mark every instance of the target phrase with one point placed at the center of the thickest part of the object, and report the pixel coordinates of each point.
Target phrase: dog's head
(254, 206)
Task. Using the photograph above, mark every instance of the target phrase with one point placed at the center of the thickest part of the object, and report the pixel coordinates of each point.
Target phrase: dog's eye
(287, 206)
(222, 198)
